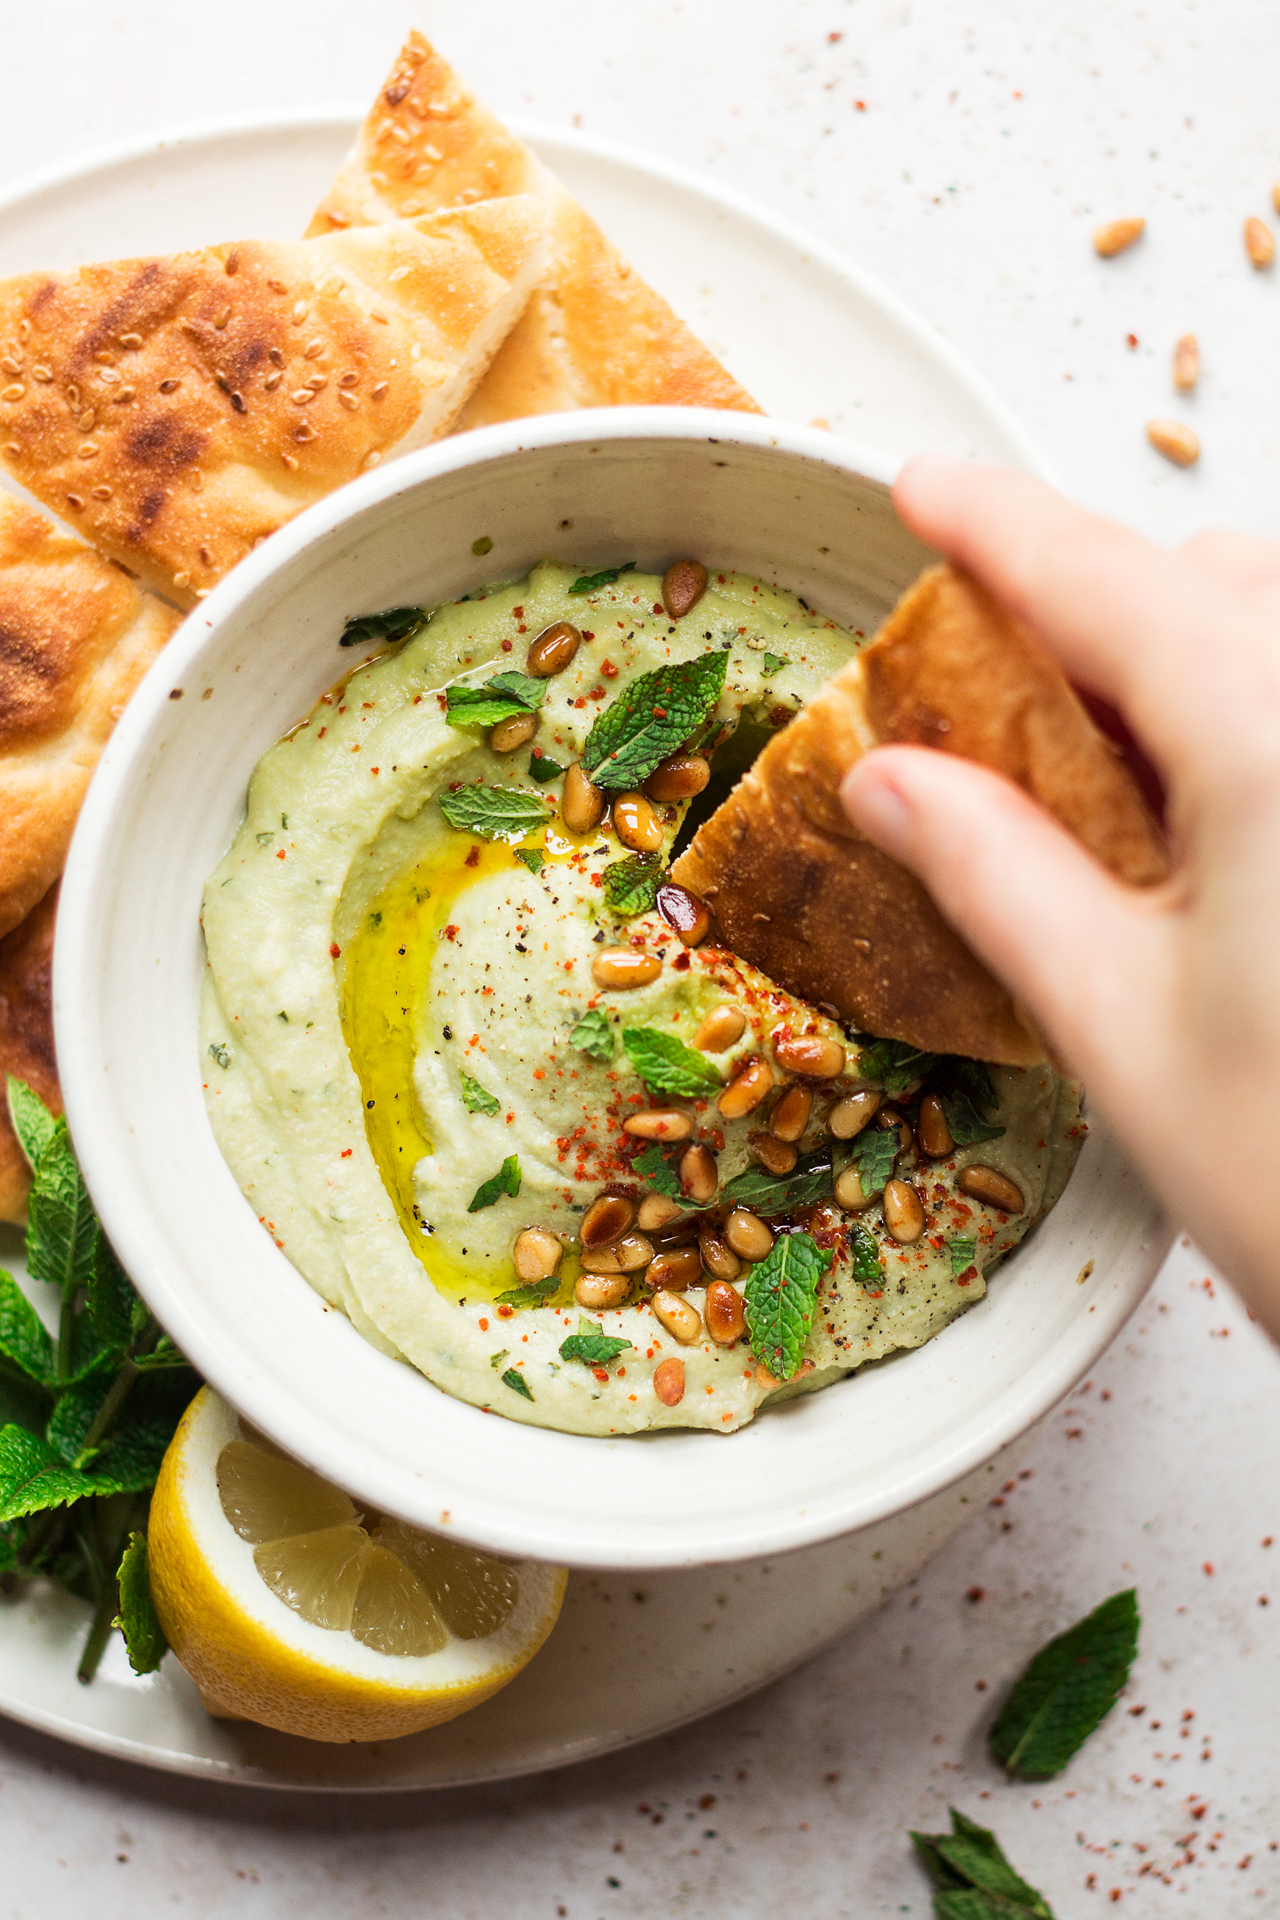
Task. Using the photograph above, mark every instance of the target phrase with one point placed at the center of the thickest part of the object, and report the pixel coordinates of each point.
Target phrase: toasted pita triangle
(178, 410)
(26, 1039)
(594, 334)
(796, 890)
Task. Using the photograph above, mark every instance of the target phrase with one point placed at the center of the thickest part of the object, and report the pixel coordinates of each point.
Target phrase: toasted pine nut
(992, 1188)
(744, 1094)
(850, 1115)
(601, 1289)
(1186, 363)
(678, 1317)
(553, 649)
(600, 1260)
(849, 1191)
(903, 1213)
(683, 911)
(722, 1027)
(660, 1123)
(747, 1234)
(717, 1256)
(724, 1314)
(678, 777)
(890, 1117)
(809, 1054)
(683, 585)
(623, 967)
(790, 1116)
(1175, 441)
(668, 1382)
(657, 1210)
(636, 824)
(606, 1220)
(779, 1156)
(1258, 243)
(632, 1252)
(1116, 235)
(536, 1254)
(582, 803)
(513, 732)
(699, 1174)
(675, 1270)
(932, 1130)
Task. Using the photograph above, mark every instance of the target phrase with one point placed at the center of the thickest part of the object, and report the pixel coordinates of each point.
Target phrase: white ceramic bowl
(789, 505)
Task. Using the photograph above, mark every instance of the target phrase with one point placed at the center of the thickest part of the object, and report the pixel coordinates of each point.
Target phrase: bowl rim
(105, 1157)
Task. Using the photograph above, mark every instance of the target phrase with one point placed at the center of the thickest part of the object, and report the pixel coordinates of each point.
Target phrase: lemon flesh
(289, 1606)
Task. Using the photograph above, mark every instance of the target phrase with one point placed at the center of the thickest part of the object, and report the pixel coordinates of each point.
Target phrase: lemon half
(288, 1606)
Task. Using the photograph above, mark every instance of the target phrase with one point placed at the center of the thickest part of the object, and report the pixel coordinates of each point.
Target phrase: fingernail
(876, 808)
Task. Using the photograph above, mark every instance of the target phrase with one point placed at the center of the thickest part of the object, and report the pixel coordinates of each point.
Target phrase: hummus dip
(489, 1084)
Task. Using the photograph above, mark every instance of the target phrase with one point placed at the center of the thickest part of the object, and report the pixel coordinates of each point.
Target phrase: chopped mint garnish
(1067, 1690)
(505, 1180)
(592, 1345)
(874, 1151)
(543, 768)
(592, 582)
(962, 1253)
(774, 663)
(495, 813)
(496, 1359)
(501, 698)
(474, 1097)
(593, 1035)
(968, 1128)
(892, 1064)
(666, 1065)
(651, 718)
(631, 886)
(531, 857)
(220, 1052)
(534, 1295)
(397, 623)
(867, 1266)
(653, 1165)
(780, 1294)
(514, 1379)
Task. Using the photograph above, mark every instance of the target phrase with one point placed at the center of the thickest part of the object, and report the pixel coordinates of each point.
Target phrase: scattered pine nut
(1186, 364)
(1259, 244)
(1116, 235)
(1175, 441)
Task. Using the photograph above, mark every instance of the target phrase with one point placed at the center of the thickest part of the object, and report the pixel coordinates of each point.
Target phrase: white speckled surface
(976, 208)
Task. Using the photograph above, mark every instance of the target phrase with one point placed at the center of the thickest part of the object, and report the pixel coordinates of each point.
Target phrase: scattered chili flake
(507, 645)
(334, 951)
(347, 1152)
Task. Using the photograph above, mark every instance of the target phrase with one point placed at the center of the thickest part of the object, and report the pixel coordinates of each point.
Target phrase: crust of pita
(594, 333)
(796, 891)
(178, 410)
(26, 1039)
(76, 637)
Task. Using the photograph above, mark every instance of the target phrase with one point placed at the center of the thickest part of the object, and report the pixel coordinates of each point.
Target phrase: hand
(1166, 1002)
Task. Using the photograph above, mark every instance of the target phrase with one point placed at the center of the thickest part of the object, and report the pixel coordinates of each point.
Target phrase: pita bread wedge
(76, 636)
(26, 1039)
(178, 410)
(796, 891)
(594, 334)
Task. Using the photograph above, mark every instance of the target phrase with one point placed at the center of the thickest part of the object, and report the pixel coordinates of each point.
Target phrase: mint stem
(104, 1585)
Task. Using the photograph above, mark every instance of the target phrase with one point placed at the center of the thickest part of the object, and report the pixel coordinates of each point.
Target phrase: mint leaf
(968, 1128)
(774, 1193)
(474, 1097)
(137, 1621)
(631, 886)
(505, 1180)
(892, 1064)
(536, 1294)
(592, 582)
(973, 1878)
(969, 1076)
(397, 623)
(73, 1416)
(653, 1165)
(873, 1152)
(114, 1307)
(498, 699)
(495, 813)
(592, 1345)
(651, 718)
(774, 663)
(666, 1065)
(129, 1461)
(496, 1359)
(164, 1357)
(514, 1379)
(543, 768)
(32, 1121)
(780, 1293)
(962, 1253)
(23, 1340)
(532, 858)
(1067, 1690)
(865, 1254)
(62, 1229)
(34, 1478)
(593, 1035)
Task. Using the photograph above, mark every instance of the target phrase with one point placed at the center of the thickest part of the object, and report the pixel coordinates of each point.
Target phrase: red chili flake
(601, 1375)
(473, 858)
(586, 635)
(347, 1153)
(861, 105)
(608, 669)
(517, 613)
(280, 854)
(505, 1313)
(1208, 1567)
(596, 693)
(682, 963)
(507, 645)
(442, 701)
(1131, 341)
(582, 703)
(451, 932)
(975, 1594)
(322, 733)
(334, 951)
(483, 1325)
(375, 769)
(659, 713)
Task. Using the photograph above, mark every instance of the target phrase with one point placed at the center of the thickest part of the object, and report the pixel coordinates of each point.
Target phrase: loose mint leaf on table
(962, 1255)
(534, 1295)
(498, 699)
(397, 623)
(773, 1193)
(972, 1878)
(505, 1180)
(867, 1265)
(1068, 1689)
(874, 1151)
(532, 858)
(543, 768)
(495, 813)
(143, 1634)
(666, 1065)
(592, 582)
(593, 1035)
(774, 663)
(968, 1128)
(651, 718)
(653, 1165)
(892, 1064)
(631, 886)
(592, 1345)
(514, 1379)
(780, 1294)
(474, 1097)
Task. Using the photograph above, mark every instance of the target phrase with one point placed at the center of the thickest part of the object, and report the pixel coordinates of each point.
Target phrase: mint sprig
(501, 698)
(505, 1180)
(894, 1065)
(652, 717)
(592, 1345)
(631, 886)
(780, 1294)
(1067, 1690)
(592, 582)
(495, 813)
(593, 1035)
(972, 1878)
(475, 1098)
(667, 1065)
(769, 1194)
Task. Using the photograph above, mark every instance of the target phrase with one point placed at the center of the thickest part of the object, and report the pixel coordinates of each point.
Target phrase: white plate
(811, 338)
